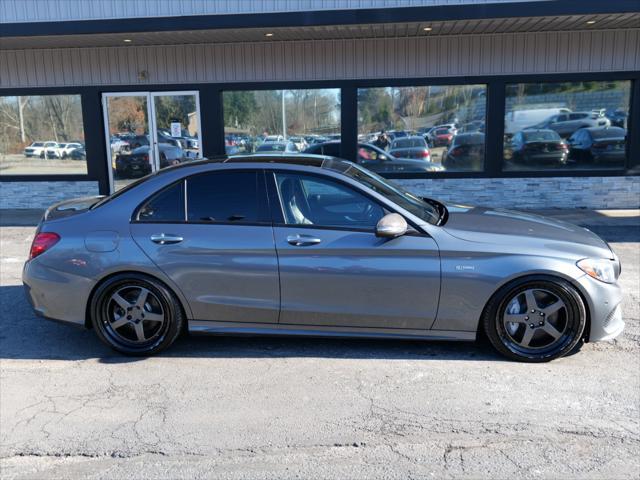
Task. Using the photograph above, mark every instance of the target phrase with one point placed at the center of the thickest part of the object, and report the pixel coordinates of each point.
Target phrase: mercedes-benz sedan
(310, 245)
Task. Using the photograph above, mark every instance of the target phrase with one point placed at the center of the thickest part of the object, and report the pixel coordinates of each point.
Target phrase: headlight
(599, 268)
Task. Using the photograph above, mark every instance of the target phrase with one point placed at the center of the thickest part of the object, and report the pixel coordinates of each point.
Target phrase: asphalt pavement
(265, 408)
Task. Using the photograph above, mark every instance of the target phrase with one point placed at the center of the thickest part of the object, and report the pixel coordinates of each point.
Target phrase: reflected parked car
(277, 147)
(137, 163)
(617, 117)
(441, 136)
(466, 152)
(566, 123)
(537, 146)
(602, 144)
(410, 147)
(37, 149)
(376, 159)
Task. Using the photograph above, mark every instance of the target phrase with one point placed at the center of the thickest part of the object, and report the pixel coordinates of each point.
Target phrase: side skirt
(236, 328)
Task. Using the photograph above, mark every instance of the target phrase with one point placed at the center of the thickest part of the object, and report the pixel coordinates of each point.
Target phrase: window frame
(263, 210)
(212, 134)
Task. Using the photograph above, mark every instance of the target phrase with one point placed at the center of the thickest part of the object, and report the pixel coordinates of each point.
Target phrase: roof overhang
(527, 16)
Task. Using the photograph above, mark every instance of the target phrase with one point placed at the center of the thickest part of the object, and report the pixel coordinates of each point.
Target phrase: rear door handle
(302, 240)
(165, 238)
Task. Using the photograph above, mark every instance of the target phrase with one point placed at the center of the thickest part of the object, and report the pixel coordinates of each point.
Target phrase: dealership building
(522, 104)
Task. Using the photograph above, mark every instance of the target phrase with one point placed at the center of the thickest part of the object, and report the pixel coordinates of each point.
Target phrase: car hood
(522, 230)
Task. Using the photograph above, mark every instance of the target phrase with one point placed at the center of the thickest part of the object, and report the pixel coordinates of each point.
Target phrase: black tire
(569, 321)
(159, 301)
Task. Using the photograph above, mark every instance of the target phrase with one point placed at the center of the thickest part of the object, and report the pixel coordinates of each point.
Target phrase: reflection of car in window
(600, 144)
(466, 152)
(536, 147)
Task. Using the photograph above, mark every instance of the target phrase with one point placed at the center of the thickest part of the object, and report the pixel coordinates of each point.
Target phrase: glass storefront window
(42, 135)
(277, 121)
(422, 129)
(564, 126)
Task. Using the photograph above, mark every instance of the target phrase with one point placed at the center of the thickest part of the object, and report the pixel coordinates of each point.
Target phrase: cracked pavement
(221, 407)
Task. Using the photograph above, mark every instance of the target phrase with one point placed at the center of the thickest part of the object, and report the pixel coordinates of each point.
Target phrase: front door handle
(302, 240)
(165, 238)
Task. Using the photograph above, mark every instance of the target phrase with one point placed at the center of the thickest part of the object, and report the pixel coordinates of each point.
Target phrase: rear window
(409, 143)
(37, 144)
(612, 132)
(475, 139)
(541, 136)
(271, 147)
(442, 131)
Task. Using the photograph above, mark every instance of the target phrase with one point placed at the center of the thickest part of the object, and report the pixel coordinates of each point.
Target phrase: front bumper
(605, 308)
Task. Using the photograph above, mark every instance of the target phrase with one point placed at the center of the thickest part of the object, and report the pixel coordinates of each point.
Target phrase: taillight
(455, 152)
(42, 242)
(425, 154)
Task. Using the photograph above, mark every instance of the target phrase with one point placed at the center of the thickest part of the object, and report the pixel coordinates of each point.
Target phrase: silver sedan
(312, 245)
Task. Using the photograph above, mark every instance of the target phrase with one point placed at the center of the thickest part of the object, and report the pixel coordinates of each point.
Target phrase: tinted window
(541, 136)
(309, 200)
(166, 206)
(225, 197)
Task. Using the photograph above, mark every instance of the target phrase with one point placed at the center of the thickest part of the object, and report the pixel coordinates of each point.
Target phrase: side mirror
(391, 225)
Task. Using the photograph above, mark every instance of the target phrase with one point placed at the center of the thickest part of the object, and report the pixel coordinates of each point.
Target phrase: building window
(280, 121)
(422, 129)
(41, 135)
(564, 126)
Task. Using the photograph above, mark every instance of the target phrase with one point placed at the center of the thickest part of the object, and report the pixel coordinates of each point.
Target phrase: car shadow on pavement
(24, 336)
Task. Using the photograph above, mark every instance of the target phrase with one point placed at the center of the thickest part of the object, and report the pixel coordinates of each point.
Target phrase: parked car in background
(299, 142)
(567, 123)
(231, 149)
(537, 146)
(393, 134)
(617, 117)
(410, 147)
(77, 153)
(600, 144)
(62, 150)
(340, 252)
(137, 162)
(273, 138)
(520, 119)
(376, 159)
(277, 147)
(37, 149)
(466, 152)
(441, 136)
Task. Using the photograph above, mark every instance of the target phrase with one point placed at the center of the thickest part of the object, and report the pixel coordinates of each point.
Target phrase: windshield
(541, 136)
(384, 187)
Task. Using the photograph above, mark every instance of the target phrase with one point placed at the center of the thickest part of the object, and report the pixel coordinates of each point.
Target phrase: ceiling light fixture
(427, 29)
(127, 40)
(268, 34)
(591, 22)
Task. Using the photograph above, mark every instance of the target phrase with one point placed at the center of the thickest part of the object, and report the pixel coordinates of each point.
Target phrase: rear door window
(167, 206)
(227, 197)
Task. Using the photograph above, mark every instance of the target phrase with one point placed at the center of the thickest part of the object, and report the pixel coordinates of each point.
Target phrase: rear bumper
(56, 295)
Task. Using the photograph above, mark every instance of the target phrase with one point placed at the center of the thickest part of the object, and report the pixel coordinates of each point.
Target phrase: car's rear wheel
(136, 314)
(535, 320)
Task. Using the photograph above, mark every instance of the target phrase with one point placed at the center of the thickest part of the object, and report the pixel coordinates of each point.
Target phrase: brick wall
(42, 194)
(553, 192)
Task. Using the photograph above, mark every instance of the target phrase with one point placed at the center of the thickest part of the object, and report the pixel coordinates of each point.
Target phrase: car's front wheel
(136, 314)
(535, 319)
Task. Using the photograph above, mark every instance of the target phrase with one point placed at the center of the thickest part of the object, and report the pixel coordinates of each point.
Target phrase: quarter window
(309, 200)
(165, 206)
(227, 197)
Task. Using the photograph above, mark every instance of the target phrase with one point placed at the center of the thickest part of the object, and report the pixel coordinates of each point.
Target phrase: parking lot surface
(220, 407)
